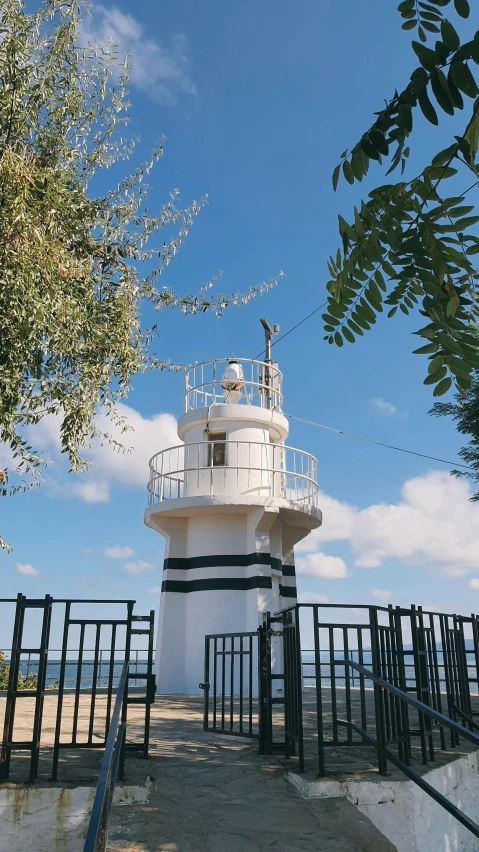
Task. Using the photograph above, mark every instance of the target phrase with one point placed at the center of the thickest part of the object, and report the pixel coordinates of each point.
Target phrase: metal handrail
(96, 836)
(303, 468)
(414, 776)
(396, 761)
(445, 721)
(264, 382)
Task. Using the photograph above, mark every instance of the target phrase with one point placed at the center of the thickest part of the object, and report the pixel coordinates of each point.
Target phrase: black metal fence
(434, 656)
(231, 684)
(78, 682)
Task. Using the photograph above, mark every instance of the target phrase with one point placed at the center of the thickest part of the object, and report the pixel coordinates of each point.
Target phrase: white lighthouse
(232, 500)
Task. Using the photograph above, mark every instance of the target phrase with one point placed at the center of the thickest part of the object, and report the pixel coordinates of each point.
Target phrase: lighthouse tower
(231, 501)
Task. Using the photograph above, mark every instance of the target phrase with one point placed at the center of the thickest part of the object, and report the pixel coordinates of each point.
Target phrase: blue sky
(257, 101)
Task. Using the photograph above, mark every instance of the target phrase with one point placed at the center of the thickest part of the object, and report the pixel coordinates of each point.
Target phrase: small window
(217, 449)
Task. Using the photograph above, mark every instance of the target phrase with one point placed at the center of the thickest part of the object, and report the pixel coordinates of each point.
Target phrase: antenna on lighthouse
(269, 333)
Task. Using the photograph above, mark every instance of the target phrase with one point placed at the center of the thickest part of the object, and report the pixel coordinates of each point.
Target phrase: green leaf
(455, 94)
(369, 149)
(409, 25)
(380, 280)
(426, 57)
(435, 364)
(431, 28)
(406, 5)
(466, 222)
(348, 172)
(441, 91)
(427, 108)
(360, 320)
(336, 176)
(436, 377)
(462, 8)
(444, 385)
(348, 335)
(465, 149)
(462, 77)
(355, 327)
(472, 132)
(338, 339)
(449, 35)
(426, 350)
(378, 140)
(330, 320)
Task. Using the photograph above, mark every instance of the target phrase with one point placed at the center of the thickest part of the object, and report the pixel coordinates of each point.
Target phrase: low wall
(41, 818)
(406, 815)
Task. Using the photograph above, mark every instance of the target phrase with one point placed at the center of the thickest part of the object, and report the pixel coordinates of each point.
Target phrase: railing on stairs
(97, 834)
(399, 699)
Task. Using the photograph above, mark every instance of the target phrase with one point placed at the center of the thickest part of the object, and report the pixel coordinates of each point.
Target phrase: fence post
(378, 692)
(264, 686)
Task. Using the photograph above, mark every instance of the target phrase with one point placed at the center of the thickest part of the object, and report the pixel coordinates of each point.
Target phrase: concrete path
(215, 794)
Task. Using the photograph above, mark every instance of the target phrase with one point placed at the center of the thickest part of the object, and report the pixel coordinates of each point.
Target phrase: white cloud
(118, 552)
(434, 525)
(474, 583)
(109, 467)
(322, 565)
(155, 590)
(312, 598)
(380, 406)
(26, 569)
(382, 594)
(160, 69)
(138, 567)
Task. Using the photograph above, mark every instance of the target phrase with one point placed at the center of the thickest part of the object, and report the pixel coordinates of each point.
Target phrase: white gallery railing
(258, 384)
(220, 468)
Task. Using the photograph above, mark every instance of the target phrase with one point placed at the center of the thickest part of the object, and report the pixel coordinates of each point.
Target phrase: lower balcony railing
(220, 468)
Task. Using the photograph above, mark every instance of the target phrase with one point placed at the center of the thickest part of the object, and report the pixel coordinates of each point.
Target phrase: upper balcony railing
(234, 380)
(234, 468)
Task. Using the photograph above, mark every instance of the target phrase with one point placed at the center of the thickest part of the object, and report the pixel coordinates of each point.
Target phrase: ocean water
(86, 673)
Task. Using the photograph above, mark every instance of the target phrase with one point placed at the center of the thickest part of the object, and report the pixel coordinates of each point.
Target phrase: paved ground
(213, 793)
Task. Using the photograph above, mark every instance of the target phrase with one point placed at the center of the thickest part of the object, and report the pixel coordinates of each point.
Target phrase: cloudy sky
(257, 105)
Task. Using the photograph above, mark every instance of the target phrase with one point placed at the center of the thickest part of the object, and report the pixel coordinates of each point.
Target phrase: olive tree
(76, 266)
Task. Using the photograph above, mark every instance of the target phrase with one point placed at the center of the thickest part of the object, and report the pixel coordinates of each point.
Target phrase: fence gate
(293, 686)
(80, 679)
(231, 684)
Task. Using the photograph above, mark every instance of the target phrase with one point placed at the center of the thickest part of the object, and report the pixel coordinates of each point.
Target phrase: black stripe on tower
(222, 561)
(289, 571)
(217, 584)
(288, 591)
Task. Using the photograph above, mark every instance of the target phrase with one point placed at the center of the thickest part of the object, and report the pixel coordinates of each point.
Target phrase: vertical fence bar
(124, 710)
(61, 689)
(111, 669)
(319, 692)
(232, 680)
(41, 678)
(94, 685)
(250, 687)
(347, 685)
(223, 683)
(378, 694)
(215, 680)
(241, 676)
(206, 684)
(332, 665)
(78, 684)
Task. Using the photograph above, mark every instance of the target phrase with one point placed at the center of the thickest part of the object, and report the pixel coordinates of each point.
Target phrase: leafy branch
(411, 246)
